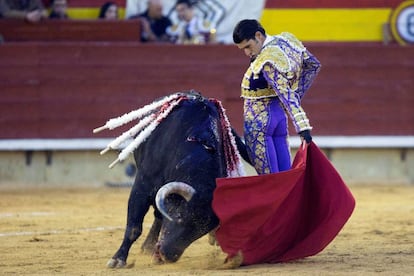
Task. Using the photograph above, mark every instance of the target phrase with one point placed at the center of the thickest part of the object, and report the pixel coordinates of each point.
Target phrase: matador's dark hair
(246, 30)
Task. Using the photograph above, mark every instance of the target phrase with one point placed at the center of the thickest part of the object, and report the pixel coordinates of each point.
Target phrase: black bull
(176, 170)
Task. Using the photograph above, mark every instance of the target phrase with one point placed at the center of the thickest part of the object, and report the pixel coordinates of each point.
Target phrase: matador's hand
(305, 135)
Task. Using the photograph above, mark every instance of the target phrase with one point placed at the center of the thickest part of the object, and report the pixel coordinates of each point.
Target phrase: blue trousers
(266, 135)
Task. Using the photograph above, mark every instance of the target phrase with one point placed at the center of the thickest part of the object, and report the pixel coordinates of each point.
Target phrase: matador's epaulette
(273, 54)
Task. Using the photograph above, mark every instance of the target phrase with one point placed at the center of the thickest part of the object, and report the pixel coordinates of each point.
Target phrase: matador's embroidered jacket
(285, 69)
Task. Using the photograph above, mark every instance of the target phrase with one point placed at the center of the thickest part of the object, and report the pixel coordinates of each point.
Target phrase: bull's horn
(180, 188)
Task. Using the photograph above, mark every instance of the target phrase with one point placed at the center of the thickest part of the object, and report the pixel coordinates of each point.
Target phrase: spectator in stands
(58, 9)
(154, 24)
(30, 10)
(191, 29)
(109, 11)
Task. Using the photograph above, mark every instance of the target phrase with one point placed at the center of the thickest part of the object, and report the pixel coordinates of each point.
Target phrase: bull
(177, 163)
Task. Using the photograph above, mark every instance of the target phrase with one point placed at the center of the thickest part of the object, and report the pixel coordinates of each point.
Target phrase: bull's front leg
(148, 246)
(138, 206)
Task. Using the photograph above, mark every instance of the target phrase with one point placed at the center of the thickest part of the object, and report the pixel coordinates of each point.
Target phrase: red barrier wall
(64, 90)
(13, 30)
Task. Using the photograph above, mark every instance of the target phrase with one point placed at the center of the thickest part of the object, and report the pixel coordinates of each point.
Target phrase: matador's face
(252, 47)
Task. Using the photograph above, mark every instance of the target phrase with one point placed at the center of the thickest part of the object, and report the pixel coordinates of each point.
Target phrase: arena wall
(64, 90)
(86, 168)
(57, 92)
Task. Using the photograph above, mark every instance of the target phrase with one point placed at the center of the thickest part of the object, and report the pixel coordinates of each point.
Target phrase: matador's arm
(289, 99)
(310, 69)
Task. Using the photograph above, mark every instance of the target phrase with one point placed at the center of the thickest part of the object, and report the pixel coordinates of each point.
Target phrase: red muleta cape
(283, 216)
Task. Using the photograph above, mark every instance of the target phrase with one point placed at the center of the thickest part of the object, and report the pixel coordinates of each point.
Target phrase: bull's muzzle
(161, 257)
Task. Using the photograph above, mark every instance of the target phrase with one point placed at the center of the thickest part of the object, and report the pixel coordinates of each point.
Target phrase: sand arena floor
(75, 231)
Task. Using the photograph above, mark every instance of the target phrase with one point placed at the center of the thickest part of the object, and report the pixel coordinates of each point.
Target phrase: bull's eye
(205, 143)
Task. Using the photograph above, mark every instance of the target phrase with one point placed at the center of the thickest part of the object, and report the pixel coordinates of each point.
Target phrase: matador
(280, 72)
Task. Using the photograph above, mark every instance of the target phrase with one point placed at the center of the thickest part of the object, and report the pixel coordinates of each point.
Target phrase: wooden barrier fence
(65, 89)
(13, 30)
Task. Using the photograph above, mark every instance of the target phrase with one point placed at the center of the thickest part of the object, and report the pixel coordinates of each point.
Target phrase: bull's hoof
(116, 263)
(233, 262)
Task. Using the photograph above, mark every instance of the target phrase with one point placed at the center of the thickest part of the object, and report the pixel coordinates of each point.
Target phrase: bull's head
(182, 224)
